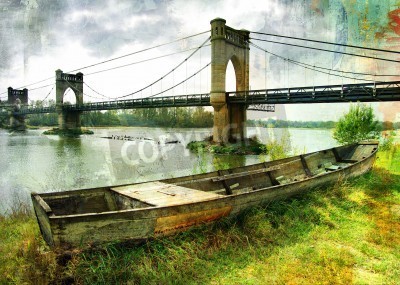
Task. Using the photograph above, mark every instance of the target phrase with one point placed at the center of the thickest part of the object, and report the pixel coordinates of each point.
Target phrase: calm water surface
(35, 162)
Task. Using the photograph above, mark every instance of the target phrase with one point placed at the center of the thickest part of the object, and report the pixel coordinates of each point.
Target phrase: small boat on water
(141, 211)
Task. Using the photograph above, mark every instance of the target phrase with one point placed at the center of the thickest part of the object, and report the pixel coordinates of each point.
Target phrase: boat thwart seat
(246, 173)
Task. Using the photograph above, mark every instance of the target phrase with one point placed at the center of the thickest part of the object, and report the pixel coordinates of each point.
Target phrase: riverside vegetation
(342, 234)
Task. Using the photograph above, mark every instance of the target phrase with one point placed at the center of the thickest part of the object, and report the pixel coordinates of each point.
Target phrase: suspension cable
(176, 85)
(139, 51)
(304, 66)
(98, 93)
(41, 87)
(48, 93)
(168, 73)
(324, 68)
(93, 97)
(328, 43)
(141, 61)
(350, 72)
(327, 50)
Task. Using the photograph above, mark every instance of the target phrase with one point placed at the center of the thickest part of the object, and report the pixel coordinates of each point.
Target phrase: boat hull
(136, 212)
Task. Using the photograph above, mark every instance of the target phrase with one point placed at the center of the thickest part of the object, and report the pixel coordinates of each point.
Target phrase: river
(33, 162)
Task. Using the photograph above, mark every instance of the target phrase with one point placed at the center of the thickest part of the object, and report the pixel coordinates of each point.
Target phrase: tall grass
(389, 158)
(344, 234)
(24, 257)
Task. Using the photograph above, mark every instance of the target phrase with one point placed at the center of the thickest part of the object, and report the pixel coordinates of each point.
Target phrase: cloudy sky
(38, 37)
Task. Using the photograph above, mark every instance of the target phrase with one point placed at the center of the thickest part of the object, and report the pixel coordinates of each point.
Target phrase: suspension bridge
(227, 45)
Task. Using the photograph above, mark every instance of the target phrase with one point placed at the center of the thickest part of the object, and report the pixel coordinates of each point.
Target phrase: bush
(357, 125)
(278, 148)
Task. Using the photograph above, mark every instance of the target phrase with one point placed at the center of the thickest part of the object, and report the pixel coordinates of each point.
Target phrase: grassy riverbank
(343, 234)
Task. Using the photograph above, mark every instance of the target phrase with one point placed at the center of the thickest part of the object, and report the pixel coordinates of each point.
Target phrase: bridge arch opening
(69, 97)
(230, 77)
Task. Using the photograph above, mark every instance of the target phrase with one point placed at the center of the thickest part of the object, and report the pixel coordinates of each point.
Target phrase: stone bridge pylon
(228, 44)
(68, 119)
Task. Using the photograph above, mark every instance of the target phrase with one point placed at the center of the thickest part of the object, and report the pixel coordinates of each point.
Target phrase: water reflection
(69, 146)
(69, 160)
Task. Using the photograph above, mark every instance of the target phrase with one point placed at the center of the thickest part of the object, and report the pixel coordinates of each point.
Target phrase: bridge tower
(16, 98)
(228, 44)
(68, 119)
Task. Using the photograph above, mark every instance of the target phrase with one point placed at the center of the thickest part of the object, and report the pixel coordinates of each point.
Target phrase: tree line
(146, 117)
(271, 123)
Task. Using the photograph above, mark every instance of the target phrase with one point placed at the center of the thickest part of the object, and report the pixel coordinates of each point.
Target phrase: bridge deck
(368, 92)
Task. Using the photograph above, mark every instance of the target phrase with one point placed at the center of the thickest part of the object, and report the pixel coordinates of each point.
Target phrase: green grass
(347, 233)
(24, 257)
(390, 159)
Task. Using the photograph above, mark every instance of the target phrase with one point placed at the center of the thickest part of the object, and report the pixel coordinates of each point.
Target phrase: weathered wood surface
(146, 210)
(162, 194)
(246, 173)
(43, 212)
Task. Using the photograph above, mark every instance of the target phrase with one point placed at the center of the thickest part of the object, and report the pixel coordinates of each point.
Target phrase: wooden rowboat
(141, 211)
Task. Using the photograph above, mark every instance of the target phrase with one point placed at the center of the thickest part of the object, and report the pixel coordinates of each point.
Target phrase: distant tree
(357, 125)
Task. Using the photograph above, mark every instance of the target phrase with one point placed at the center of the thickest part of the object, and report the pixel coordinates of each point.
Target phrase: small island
(68, 132)
(246, 147)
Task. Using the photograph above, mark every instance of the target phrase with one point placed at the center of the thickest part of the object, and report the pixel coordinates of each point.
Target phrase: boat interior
(203, 187)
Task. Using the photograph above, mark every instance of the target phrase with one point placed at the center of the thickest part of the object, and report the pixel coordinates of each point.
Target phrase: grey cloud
(11, 25)
(104, 30)
(23, 26)
(104, 41)
(31, 27)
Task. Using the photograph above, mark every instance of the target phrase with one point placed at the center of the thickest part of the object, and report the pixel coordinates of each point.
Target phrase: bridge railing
(153, 102)
(367, 92)
(6, 108)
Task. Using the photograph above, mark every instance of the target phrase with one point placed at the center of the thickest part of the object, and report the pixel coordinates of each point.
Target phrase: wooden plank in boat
(164, 194)
(361, 152)
(246, 173)
(333, 167)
